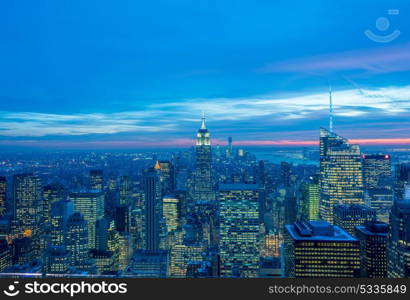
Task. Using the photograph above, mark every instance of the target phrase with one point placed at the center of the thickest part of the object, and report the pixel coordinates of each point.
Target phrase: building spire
(203, 126)
(330, 110)
(157, 166)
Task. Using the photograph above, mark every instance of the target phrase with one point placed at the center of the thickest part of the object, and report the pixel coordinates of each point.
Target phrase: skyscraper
(91, 206)
(310, 199)
(373, 249)
(122, 218)
(318, 249)
(119, 243)
(167, 176)
(57, 260)
(341, 173)
(104, 260)
(181, 255)
(285, 172)
(3, 194)
(76, 241)
(290, 209)
(348, 216)
(402, 179)
(171, 212)
(60, 211)
(51, 194)
(125, 190)
(203, 185)
(5, 255)
(27, 203)
(152, 194)
(398, 251)
(381, 200)
(23, 251)
(378, 183)
(96, 180)
(377, 171)
(239, 230)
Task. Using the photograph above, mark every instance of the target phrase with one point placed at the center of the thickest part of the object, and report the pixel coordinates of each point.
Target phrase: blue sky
(136, 73)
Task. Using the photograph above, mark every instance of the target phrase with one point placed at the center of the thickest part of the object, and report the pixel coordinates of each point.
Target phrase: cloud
(351, 102)
(32, 124)
(378, 60)
(273, 117)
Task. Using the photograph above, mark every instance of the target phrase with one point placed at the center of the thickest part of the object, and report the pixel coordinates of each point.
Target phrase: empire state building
(203, 187)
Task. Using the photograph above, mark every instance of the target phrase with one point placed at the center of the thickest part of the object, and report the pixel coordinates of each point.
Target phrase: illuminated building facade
(5, 255)
(348, 216)
(120, 244)
(239, 230)
(124, 250)
(377, 171)
(271, 244)
(125, 190)
(398, 251)
(96, 180)
(167, 176)
(60, 211)
(310, 199)
(57, 260)
(91, 206)
(51, 193)
(103, 260)
(27, 202)
(381, 200)
(318, 249)
(76, 241)
(373, 249)
(170, 212)
(3, 194)
(341, 173)
(181, 255)
(203, 183)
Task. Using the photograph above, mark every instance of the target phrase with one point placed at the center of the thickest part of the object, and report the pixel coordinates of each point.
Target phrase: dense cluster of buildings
(213, 211)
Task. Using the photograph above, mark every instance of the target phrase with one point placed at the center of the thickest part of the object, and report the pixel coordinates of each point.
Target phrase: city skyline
(207, 212)
(143, 80)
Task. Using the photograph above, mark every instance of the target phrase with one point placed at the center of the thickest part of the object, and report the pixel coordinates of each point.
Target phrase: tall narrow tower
(341, 174)
(330, 110)
(203, 187)
(152, 192)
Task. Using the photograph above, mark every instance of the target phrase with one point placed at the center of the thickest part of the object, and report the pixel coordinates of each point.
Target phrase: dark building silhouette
(373, 249)
(3, 195)
(96, 180)
(152, 193)
(398, 252)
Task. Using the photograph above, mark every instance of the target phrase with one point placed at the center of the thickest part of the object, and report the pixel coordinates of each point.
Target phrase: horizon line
(182, 143)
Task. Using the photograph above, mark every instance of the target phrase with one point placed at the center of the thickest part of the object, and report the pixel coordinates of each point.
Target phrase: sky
(128, 74)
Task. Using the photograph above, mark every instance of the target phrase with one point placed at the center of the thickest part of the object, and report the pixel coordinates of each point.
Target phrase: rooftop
(318, 231)
(374, 228)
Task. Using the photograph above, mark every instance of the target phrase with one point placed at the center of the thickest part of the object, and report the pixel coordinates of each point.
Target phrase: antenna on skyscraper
(330, 110)
(203, 126)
